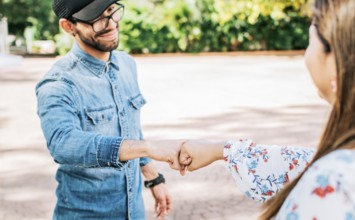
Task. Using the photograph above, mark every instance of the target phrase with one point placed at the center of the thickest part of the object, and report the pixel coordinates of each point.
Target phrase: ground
(269, 99)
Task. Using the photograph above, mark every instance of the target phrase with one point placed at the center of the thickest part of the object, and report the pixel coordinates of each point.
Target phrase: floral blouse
(326, 190)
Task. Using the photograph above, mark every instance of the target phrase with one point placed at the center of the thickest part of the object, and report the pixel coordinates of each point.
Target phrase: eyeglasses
(102, 23)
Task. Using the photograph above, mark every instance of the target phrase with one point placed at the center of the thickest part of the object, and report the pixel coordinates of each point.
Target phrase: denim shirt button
(122, 113)
(129, 165)
(130, 189)
(116, 87)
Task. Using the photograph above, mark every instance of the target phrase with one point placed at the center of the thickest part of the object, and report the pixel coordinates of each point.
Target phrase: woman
(320, 184)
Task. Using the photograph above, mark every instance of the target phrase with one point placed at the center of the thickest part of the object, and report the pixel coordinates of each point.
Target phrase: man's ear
(67, 26)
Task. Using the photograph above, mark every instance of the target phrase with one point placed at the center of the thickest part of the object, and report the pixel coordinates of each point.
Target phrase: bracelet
(154, 182)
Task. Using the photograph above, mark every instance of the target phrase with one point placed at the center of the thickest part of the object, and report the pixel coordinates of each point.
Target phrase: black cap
(85, 10)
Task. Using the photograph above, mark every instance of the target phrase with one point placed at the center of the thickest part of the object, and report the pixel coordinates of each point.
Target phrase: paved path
(268, 98)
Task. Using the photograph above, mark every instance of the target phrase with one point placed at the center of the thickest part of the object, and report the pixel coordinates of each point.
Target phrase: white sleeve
(261, 171)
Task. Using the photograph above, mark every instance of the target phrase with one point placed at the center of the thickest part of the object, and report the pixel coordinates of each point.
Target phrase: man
(89, 105)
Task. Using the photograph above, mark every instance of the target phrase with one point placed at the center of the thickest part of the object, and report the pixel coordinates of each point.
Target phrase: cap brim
(93, 10)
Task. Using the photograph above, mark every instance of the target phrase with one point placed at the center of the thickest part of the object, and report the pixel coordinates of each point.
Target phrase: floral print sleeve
(261, 171)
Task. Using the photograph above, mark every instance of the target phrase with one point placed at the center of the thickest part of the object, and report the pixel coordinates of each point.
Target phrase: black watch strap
(154, 182)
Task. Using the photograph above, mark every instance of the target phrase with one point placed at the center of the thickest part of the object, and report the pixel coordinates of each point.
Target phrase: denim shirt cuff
(144, 161)
(108, 152)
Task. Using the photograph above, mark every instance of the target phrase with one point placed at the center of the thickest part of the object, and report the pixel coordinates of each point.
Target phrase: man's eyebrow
(102, 15)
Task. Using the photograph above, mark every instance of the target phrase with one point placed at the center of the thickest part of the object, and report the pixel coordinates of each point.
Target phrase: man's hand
(162, 198)
(196, 154)
(167, 151)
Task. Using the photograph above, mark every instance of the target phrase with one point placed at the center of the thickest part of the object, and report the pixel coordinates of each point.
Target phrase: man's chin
(115, 45)
(108, 47)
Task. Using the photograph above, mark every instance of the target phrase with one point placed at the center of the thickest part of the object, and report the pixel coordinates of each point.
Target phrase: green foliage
(159, 26)
(63, 42)
(214, 25)
(30, 13)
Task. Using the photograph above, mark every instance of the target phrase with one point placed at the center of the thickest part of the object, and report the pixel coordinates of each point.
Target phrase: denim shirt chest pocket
(101, 119)
(135, 103)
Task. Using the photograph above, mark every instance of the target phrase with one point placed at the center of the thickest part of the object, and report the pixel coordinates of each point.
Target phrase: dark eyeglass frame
(108, 18)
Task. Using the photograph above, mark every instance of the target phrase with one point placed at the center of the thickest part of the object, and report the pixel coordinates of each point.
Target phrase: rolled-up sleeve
(108, 152)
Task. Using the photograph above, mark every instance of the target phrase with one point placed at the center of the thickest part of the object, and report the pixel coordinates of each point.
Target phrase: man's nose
(113, 24)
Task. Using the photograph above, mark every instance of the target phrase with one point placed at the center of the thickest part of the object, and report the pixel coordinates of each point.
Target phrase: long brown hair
(334, 21)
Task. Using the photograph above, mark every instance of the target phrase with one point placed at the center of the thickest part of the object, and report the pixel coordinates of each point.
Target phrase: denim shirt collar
(96, 66)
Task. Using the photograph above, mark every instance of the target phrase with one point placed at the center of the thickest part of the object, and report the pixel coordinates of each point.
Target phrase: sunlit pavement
(270, 99)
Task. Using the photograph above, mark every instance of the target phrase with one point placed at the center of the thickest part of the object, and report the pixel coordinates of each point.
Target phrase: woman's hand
(195, 154)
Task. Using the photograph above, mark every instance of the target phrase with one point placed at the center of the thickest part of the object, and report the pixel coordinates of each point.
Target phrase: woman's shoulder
(327, 185)
(339, 163)
(333, 173)
(336, 159)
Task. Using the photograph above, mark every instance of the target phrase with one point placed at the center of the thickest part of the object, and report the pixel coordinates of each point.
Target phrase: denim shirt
(87, 108)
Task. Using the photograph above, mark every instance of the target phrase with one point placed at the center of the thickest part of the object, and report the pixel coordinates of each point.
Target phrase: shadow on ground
(16, 76)
(27, 178)
(210, 193)
(295, 125)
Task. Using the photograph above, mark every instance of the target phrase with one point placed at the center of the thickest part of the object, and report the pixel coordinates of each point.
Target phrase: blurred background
(209, 69)
(160, 26)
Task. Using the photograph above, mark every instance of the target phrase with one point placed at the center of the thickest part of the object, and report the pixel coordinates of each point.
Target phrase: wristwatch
(154, 182)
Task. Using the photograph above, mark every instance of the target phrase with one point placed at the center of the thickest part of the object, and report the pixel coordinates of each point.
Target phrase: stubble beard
(96, 43)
